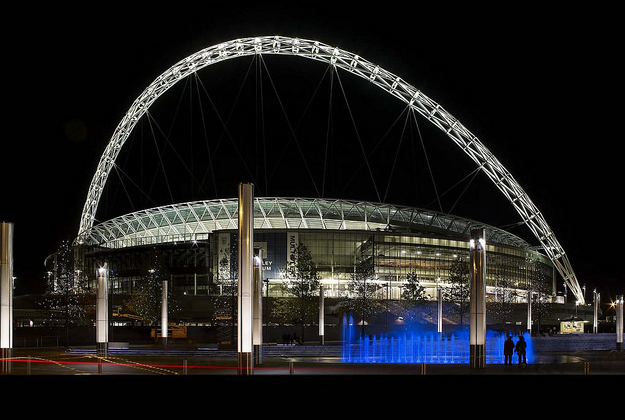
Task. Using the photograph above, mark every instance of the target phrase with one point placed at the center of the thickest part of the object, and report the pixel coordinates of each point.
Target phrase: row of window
(206, 267)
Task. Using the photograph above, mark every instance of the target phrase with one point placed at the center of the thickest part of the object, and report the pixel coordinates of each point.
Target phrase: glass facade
(203, 267)
(394, 256)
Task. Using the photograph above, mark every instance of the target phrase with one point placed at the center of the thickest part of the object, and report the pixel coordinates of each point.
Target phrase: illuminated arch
(355, 64)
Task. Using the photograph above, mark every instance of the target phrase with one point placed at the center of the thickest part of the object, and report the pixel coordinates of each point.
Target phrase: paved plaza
(153, 360)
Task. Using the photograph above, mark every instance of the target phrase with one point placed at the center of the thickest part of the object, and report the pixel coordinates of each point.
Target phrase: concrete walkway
(294, 360)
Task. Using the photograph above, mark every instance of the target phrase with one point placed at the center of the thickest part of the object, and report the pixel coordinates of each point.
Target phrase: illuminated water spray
(415, 346)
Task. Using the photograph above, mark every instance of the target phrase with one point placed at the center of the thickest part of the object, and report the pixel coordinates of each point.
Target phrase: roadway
(182, 362)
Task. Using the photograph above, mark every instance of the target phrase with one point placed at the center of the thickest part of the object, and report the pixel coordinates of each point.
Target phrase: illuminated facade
(196, 244)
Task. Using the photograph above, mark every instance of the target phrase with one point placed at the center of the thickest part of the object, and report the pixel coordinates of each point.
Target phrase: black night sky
(535, 84)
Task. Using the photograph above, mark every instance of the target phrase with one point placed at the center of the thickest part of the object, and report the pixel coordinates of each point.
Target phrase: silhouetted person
(520, 349)
(508, 349)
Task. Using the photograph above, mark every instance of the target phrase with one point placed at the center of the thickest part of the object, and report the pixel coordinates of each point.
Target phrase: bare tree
(458, 290)
(67, 299)
(413, 296)
(363, 291)
(302, 290)
(147, 297)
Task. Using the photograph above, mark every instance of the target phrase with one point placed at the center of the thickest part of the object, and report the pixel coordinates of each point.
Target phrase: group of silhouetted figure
(290, 340)
(509, 348)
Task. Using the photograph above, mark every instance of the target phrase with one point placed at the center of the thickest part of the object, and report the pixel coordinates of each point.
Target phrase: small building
(572, 325)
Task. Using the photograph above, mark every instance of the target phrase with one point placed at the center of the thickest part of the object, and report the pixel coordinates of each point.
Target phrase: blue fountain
(413, 346)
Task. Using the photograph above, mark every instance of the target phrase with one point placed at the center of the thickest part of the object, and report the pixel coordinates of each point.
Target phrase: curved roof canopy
(196, 219)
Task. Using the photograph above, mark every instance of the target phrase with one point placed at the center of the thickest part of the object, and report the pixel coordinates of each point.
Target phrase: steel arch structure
(352, 63)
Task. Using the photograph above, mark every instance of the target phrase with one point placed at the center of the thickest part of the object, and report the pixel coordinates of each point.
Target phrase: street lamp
(477, 300)
(619, 322)
(102, 310)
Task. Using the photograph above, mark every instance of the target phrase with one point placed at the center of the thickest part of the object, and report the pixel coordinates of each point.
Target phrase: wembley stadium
(194, 243)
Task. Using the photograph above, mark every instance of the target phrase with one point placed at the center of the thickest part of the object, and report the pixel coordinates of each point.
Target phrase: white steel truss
(195, 220)
(354, 64)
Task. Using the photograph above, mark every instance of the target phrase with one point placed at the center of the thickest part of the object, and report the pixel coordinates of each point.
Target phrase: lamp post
(529, 312)
(266, 309)
(257, 328)
(439, 292)
(595, 321)
(477, 245)
(101, 310)
(619, 322)
(164, 315)
(321, 316)
(246, 290)
(6, 294)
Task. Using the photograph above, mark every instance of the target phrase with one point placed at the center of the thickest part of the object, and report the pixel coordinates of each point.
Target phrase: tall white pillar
(477, 354)
(619, 322)
(6, 293)
(101, 310)
(258, 306)
(164, 316)
(245, 287)
(439, 291)
(529, 312)
(322, 319)
(596, 296)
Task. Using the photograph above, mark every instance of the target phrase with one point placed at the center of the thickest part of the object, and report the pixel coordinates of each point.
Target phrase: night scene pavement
(159, 361)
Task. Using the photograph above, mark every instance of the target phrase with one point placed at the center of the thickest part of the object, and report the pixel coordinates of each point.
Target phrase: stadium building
(196, 246)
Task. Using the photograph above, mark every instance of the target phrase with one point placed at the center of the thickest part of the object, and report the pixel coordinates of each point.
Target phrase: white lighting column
(6, 292)
(101, 310)
(595, 318)
(619, 322)
(478, 299)
(258, 306)
(439, 291)
(529, 311)
(322, 320)
(164, 315)
(246, 277)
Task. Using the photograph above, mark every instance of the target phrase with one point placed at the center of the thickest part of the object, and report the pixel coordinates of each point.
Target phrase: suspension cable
(260, 102)
(158, 152)
(427, 160)
(210, 168)
(351, 115)
(225, 131)
(375, 148)
(475, 172)
(328, 132)
(401, 138)
(293, 136)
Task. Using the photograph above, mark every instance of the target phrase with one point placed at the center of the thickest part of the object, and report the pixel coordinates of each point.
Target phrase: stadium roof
(195, 220)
